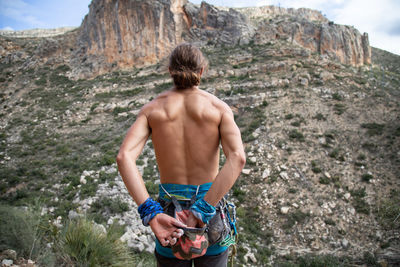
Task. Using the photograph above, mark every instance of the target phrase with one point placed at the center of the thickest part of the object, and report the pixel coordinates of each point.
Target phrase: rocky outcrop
(274, 11)
(36, 32)
(136, 33)
(340, 42)
(125, 34)
(210, 24)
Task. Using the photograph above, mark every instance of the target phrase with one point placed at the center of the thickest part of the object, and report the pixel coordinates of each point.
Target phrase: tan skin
(186, 127)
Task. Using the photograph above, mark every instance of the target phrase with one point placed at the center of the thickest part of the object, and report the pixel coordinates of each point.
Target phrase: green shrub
(118, 110)
(373, 128)
(293, 217)
(324, 180)
(295, 134)
(366, 177)
(336, 154)
(359, 203)
(315, 167)
(111, 205)
(339, 108)
(83, 243)
(20, 230)
(289, 116)
(388, 211)
(322, 261)
(41, 81)
(337, 96)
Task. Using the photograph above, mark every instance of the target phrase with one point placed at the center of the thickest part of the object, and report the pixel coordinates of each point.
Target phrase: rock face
(340, 42)
(210, 24)
(124, 34)
(274, 11)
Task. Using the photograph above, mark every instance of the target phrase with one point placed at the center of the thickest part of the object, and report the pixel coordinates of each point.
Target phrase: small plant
(83, 243)
(289, 116)
(366, 177)
(21, 230)
(324, 180)
(295, 134)
(359, 203)
(118, 110)
(388, 211)
(311, 260)
(292, 190)
(371, 147)
(337, 96)
(293, 217)
(329, 221)
(336, 154)
(361, 157)
(314, 167)
(339, 108)
(373, 128)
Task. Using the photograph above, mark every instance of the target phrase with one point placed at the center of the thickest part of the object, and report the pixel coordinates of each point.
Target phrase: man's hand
(166, 229)
(193, 221)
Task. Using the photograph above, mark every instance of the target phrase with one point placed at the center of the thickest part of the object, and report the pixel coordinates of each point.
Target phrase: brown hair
(185, 64)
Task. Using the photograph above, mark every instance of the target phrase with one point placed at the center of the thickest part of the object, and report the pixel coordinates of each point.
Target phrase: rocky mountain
(318, 110)
(125, 34)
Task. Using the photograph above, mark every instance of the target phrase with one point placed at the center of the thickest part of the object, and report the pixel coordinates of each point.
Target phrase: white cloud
(7, 28)
(19, 10)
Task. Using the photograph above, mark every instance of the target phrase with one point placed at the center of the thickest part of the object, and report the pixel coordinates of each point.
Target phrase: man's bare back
(185, 134)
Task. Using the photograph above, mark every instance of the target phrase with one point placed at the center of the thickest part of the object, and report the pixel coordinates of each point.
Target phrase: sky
(379, 18)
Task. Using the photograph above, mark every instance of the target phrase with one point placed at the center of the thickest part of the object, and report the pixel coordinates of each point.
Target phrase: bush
(20, 230)
(322, 261)
(293, 217)
(339, 108)
(373, 128)
(83, 243)
(388, 211)
(320, 117)
(366, 177)
(295, 134)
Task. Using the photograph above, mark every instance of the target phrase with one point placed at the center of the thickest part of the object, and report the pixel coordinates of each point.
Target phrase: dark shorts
(220, 260)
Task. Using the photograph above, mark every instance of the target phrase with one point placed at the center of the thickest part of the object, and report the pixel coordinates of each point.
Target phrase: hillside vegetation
(321, 185)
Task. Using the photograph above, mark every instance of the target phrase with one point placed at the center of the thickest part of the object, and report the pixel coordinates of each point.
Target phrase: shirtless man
(186, 125)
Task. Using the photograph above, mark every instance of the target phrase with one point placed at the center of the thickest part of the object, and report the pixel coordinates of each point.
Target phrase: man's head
(186, 65)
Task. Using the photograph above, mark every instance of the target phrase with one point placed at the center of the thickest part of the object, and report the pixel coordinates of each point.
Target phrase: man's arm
(129, 151)
(232, 146)
(163, 226)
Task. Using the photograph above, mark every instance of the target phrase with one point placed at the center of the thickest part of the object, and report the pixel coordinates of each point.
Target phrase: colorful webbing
(148, 210)
(232, 221)
(203, 210)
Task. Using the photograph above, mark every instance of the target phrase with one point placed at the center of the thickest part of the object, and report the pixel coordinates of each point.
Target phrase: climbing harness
(194, 241)
(220, 229)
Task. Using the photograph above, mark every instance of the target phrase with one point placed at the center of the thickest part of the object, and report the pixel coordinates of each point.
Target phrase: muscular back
(185, 134)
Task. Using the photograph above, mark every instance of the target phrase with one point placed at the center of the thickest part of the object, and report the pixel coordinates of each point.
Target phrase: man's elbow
(121, 156)
(240, 158)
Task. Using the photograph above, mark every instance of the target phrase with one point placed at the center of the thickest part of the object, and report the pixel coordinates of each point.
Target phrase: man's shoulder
(154, 103)
(218, 103)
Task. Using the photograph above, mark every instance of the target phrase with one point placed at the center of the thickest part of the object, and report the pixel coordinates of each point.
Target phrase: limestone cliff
(125, 34)
(340, 42)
